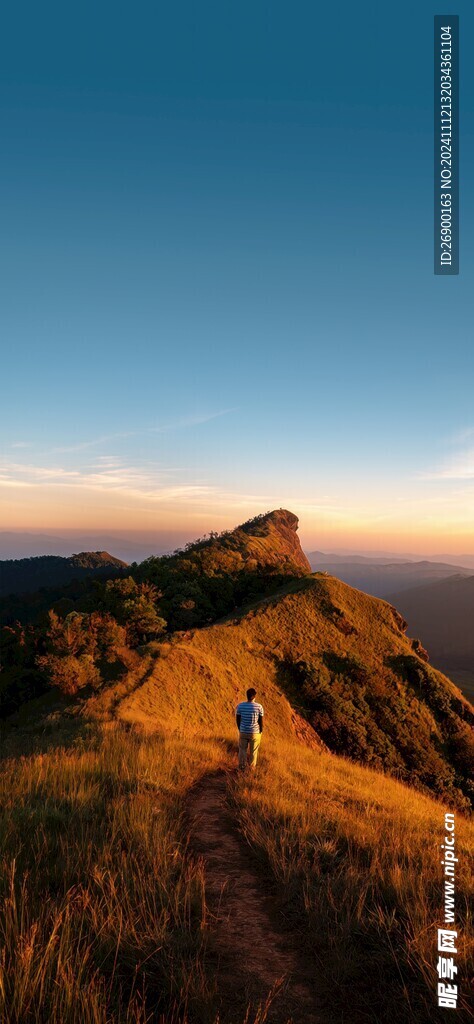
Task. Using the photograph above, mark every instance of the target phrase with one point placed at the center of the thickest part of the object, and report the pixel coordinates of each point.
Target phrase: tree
(74, 647)
(134, 605)
(70, 673)
(108, 635)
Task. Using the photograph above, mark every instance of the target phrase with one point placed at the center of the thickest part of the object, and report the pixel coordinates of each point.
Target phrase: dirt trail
(254, 955)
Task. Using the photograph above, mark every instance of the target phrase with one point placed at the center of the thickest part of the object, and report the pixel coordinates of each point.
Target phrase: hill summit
(221, 572)
(268, 541)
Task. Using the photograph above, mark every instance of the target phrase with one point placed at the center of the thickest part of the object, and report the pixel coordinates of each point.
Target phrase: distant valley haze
(382, 578)
(135, 545)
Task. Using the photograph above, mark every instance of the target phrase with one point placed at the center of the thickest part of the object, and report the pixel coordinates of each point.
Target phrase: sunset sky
(216, 267)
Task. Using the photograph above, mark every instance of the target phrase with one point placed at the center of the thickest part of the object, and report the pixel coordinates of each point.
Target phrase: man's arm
(237, 719)
(260, 722)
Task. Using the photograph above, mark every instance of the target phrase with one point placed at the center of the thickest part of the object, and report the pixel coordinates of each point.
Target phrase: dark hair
(251, 694)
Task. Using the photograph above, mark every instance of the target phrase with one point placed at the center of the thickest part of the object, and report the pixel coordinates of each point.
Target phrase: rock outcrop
(272, 541)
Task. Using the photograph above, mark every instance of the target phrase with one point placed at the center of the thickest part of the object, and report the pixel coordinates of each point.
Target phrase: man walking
(249, 718)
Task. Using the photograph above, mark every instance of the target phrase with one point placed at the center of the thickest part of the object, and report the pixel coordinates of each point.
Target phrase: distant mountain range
(25, 575)
(321, 558)
(390, 557)
(383, 578)
(441, 613)
(16, 545)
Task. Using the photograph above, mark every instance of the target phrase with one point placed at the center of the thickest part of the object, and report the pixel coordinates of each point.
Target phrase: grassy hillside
(101, 908)
(355, 858)
(104, 918)
(338, 658)
(312, 646)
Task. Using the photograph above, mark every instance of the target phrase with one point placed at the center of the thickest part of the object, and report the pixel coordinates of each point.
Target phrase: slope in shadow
(257, 962)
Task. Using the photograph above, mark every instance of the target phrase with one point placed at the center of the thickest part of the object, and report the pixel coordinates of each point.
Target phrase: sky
(217, 288)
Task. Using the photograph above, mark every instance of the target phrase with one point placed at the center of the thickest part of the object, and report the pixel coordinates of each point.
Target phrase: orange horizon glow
(191, 517)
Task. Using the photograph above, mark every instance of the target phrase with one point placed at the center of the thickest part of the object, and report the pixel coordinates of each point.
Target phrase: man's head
(251, 694)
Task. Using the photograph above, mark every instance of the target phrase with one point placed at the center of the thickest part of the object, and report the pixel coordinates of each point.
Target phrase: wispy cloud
(459, 467)
(461, 436)
(107, 474)
(109, 485)
(84, 445)
(32, 473)
(457, 462)
(193, 420)
(181, 423)
(142, 487)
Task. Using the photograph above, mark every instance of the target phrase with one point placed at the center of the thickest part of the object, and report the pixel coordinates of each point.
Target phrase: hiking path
(259, 959)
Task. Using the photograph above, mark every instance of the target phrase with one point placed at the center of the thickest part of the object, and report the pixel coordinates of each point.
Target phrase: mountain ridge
(385, 579)
(25, 575)
(242, 608)
(320, 653)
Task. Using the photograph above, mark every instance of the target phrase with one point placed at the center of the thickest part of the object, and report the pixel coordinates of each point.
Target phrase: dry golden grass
(104, 917)
(102, 908)
(202, 674)
(356, 857)
(205, 672)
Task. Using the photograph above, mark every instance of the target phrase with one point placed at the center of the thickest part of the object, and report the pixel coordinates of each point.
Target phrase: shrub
(70, 673)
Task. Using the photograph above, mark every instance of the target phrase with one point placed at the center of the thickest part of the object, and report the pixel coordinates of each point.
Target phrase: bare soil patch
(259, 963)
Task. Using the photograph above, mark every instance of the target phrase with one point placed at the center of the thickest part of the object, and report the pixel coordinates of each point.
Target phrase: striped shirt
(249, 713)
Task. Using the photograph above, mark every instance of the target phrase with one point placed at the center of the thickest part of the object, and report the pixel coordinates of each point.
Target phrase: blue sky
(216, 266)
